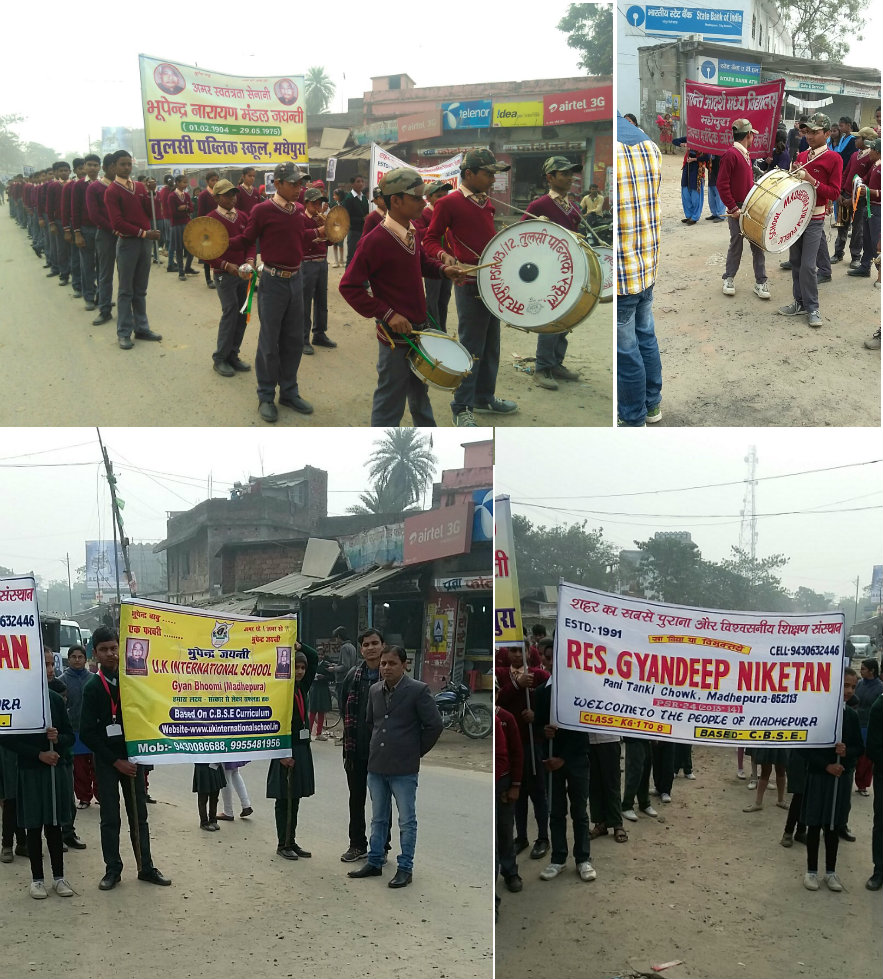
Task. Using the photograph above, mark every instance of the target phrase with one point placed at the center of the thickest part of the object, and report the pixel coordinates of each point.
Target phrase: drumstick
(475, 268)
(417, 349)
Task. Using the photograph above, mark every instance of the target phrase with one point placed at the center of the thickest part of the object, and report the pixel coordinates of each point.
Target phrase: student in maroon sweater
(859, 165)
(67, 217)
(105, 240)
(378, 214)
(735, 178)
(508, 765)
(438, 291)
(552, 347)
(84, 231)
(823, 168)
(179, 206)
(315, 272)
(279, 224)
(205, 204)
(61, 259)
(129, 211)
(390, 260)
(248, 195)
(462, 224)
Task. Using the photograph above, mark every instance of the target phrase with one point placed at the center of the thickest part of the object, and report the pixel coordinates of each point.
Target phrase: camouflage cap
(818, 121)
(482, 160)
(875, 145)
(402, 180)
(377, 192)
(288, 172)
(223, 187)
(314, 194)
(434, 186)
(743, 126)
(559, 164)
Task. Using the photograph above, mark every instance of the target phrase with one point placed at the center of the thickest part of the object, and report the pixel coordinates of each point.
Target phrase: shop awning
(355, 583)
(231, 605)
(291, 586)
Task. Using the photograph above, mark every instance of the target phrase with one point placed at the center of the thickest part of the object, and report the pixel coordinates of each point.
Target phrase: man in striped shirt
(638, 365)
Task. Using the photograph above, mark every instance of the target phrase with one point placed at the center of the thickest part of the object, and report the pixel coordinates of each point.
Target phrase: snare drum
(777, 210)
(451, 361)
(608, 272)
(547, 280)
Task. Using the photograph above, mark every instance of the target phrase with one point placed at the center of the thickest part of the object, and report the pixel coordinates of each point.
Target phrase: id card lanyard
(114, 705)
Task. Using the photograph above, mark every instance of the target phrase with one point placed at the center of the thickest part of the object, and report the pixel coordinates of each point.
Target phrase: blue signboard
(690, 20)
(483, 515)
(738, 68)
(467, 115)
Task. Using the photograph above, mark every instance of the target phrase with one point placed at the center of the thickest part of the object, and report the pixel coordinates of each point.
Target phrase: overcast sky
(827, 551)
(54, 497)
(89, 58)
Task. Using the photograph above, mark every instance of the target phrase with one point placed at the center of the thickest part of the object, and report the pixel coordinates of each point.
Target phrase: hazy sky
(827, 550)
(100, 47)
(54, 497)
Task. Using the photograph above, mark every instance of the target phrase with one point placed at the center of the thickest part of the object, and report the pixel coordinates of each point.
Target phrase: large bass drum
(777, 210)
(545, 278)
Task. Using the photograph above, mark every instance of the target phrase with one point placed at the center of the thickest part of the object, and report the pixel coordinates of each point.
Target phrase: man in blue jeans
(638, 365)
(406, 725)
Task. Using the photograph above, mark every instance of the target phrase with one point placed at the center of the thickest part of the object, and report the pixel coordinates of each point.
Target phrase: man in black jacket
(356, 204)
(101, 730)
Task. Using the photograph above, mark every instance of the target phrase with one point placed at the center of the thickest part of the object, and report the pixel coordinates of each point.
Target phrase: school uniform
(821, 788)
(231, 289)
(206, 202)
(67, 222)
(356, 206)
(105, 244)
(438, 291)
(315, 274)
(178, 221)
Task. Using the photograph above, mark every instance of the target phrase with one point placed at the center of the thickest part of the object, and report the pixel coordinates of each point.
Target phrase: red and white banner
(382, 162)
(712, 110)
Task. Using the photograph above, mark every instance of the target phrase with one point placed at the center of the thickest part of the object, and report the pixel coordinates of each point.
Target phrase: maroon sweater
(513, 698)
(281, 233)
(176, 215)
(53, 200)
(313, 249)
(162, 198)
(374, 218)
(205, 203)
(859, 164)
(545, 207)
(237, 254)
(246, 201)
(394, 274)
(79, 214)
(95, 205)
(459, 227)
(827, 169)
(734, 178)
(41, 198)
(66, 212)
(508, 751)
(128, 210)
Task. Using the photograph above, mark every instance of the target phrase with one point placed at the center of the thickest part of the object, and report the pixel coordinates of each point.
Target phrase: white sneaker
(63, 888)
(729, 287)
(833, 882)
(586, 871)
(630, 815)
(37, 890)
(649, 811)
(811, 881)
(690, 776)
(762, 290)
(665, 797)
(740, 774)
(552, 871)
(752, 782)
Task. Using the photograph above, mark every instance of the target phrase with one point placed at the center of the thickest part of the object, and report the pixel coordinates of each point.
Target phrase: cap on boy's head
(818, 120)
(289, 173)
(560, 164)
(482, 160)
(402, 180)
(743, 126)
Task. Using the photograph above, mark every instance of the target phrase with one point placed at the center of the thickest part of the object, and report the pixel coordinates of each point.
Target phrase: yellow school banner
(199, 687)
(198, 118)
(507, 604)
(518, 114)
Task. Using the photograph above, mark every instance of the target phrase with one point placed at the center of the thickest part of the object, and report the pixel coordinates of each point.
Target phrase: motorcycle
(473, 720)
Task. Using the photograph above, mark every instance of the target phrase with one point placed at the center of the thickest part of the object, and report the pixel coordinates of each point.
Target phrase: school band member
(462, 224)
(438, 291)
(179, 208)
(315, 270)
(232, 271)
(205, 204)
(391, 261)
(247, 195)
(554, 205)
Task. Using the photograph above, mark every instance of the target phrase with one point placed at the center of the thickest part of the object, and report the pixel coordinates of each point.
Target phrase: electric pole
(117, 525)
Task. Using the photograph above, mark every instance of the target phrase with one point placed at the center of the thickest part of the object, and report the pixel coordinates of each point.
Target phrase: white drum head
(541, 276)
(605, 260)
(449, 352)
(787, 218)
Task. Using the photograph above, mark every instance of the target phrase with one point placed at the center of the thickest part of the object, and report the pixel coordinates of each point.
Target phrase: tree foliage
(589, 27)
(400, 467)
(822, 29)
(543, 555)
(320, 91)
(670, 569)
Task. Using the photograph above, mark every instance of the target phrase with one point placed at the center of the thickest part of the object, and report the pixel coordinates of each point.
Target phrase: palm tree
(382, 499)
(403, 460)
(320, 91)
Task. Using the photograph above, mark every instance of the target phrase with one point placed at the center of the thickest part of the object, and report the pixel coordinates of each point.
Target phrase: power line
(695, 516)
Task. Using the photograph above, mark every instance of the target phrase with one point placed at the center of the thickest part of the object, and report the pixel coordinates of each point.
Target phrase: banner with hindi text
(24, 695)
(382, 162)
(507, 601)
(197, 118)
(711, 111)
(642, 668)
(198, 687)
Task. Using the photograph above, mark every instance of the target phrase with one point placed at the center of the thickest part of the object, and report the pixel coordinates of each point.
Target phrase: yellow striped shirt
(638, 177)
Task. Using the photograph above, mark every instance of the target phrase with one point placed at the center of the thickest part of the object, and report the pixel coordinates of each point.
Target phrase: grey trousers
(804, 255)
(88, 278)
(871, 237)
(281, 337)
(551, 349)
(62, 250)
(51, 243)
(134, 257)
(855, 233)
(396, 383)
(105, 260)
(231, 329)
(734, 254)
(438, 297)
(479, 332)
(315, 298)
(823, 262)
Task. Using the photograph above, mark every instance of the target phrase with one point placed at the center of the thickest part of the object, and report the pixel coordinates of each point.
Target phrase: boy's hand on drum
(457, 273)
(734, 213)
(399, 323)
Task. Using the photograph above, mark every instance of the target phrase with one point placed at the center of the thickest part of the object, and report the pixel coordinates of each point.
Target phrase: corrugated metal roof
(292, 585)
(232, 605)
(354, 583)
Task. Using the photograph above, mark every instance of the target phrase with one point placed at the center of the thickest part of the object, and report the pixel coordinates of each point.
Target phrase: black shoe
(148, 798)
(191, 271)
(287, 852)
(51, 275)
(74, 842)
(148, 335)
(153, 876)
(785, 265)
(353, 854)
(210, 284)
(268, 411)
(874, 882)
(125, 343)
(21, 850)
(108, 882)
(800, 837)
(836, 258)
(540, 849)
(860, 272)
(301, 852)
(90, 306)
(76, 294)
(102, 318)
(685, 220)
(238, 365)
(369, 870)
(308, 350)
(297, 404)
(182, 277)
(514, 883)
(825, 278)
(521, 844)
(64, 847)
(845, 833)
(171, 268)
(223, 368)
(320, 340)
(691, 221)
(401, 879)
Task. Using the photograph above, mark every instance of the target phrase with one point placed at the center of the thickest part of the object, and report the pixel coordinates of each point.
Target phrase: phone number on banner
(201, 747)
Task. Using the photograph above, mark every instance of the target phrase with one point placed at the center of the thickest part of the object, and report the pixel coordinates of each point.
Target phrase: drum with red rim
(777, 210)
